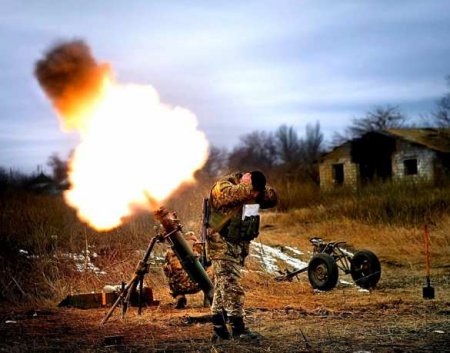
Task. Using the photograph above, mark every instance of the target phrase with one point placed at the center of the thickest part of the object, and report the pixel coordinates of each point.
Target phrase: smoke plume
(125, 133)
(71, 77)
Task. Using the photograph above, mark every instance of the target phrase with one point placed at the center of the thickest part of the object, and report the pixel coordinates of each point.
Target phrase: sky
(240, 66)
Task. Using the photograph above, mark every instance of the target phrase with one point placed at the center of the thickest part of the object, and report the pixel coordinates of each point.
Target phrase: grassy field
(40, 235)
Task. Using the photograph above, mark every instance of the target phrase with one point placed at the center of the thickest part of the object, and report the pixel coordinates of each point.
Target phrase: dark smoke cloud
(70, 76)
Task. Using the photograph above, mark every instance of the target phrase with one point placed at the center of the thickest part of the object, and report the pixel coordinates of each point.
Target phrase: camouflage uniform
(227, 197)
(180, 283)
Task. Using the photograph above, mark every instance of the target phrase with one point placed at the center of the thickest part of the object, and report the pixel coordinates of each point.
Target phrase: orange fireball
(132, 145)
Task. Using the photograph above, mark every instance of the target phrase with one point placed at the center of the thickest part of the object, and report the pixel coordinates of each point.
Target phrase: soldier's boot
(181, 302)
(220, 330)
(239, 331)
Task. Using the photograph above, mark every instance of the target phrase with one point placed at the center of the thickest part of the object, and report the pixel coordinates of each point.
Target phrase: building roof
(434, 139)
(431, 138)
(41, 179)
(337, 152)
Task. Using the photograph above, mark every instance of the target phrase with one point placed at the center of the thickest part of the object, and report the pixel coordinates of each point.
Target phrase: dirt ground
(290, 316)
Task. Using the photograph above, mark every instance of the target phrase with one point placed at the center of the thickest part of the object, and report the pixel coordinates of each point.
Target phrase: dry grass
(291, 316)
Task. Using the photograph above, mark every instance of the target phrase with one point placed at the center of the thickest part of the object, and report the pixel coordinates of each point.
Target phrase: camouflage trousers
(228, 290)
(180, 283)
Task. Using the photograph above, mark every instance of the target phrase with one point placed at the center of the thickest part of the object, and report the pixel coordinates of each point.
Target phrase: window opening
(410, 166)
(338, 174)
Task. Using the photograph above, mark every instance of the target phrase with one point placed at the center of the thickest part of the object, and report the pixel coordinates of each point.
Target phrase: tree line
(285, 151)
(279, 152)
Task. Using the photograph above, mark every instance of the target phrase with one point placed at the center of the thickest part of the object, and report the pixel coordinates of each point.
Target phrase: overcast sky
(239, 66)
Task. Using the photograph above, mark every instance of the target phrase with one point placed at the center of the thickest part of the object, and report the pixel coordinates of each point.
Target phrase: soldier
(180, 283)
(232, 228)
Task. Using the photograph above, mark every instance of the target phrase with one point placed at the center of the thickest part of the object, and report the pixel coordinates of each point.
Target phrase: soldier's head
(256, 178)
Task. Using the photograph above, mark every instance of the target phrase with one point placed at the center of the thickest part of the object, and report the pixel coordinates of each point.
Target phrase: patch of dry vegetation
(290, 315)
(48, 230)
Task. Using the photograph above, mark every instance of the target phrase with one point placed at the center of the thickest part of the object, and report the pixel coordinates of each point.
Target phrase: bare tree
(310, 149)
(13, 178)
(339, 138)
(441, 116)
(216, 163)
(4, 179)
(311, 145)
(380, 118)
(59, 168)
(256, 150)
(288, 145)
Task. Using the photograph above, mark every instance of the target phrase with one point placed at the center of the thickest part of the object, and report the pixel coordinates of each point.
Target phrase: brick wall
(425, 162)
(327, 178)
(423, 165)
(351, 172)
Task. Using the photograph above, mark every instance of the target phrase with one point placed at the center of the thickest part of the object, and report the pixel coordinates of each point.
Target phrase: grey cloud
(239, 66)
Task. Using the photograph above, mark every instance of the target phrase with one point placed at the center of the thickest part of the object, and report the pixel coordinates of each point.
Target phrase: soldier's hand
(246, 179)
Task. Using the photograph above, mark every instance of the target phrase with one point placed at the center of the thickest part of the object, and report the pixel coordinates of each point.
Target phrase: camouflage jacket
(179, 280)
(227, 198)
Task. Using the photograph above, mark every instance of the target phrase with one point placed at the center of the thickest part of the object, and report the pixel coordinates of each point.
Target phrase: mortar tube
(183, 251)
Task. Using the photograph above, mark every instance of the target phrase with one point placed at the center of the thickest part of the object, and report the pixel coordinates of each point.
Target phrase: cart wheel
(365, 269)
(323, 272)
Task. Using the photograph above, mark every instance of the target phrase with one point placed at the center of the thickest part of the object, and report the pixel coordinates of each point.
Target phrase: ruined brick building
(392, 154)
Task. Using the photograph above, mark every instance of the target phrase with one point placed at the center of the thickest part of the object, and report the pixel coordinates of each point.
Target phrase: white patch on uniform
(250, 210)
